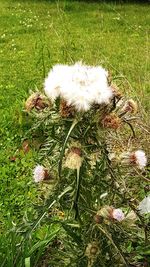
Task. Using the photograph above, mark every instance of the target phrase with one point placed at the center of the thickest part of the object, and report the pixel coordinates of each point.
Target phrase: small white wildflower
(39, 173)
(79, 85)
(144, 206)
(118, 214)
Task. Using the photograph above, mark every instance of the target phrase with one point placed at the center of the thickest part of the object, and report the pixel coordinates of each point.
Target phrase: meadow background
(34, 36)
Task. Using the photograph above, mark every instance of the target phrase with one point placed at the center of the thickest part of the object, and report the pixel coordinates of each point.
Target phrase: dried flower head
(105, 212)
(116, 91)
(109, 213)
(130, 218)
(111, 121)
(65, 110)
(40, 174)
(74, 159)
(117, 214)
(130, 106)
(36, 100)
(92, 250)
(98, 219)
(79, 85)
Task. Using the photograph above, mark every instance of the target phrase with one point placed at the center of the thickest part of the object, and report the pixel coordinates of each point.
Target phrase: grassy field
(34, 36)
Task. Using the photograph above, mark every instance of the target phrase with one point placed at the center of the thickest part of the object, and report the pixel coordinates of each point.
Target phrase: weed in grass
(34, 36)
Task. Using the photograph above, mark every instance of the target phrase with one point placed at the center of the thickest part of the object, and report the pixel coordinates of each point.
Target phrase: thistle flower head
(110, 213)
(130, 218)
(79, 85)
(111, 121)
(116, 91)
(105, 212)
(118, 215)
(40, 174)
(92, 250)
(130, 106)
(65, 110)
(74, 159)
(36, 100)
(138, 158)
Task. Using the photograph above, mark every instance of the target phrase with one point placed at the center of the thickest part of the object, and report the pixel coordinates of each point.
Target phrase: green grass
(34, 36)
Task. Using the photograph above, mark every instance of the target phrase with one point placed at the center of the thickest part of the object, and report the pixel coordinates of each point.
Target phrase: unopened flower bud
(92, 250)
(131, 217)
(98, 219)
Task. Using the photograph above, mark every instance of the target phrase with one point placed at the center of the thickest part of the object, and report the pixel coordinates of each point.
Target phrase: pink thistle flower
(117, 214)
(40, 174)
(139, 158)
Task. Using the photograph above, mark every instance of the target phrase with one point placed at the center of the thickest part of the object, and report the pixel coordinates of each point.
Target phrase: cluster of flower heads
(79, 85)
(109, 213)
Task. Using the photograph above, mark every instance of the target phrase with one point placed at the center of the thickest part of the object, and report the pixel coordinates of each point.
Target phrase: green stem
(114, 245)
(131, 127)
(75, 205)
(69, 188)
(64, 146)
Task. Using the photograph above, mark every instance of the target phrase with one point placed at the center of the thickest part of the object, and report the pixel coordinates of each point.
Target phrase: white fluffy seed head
(79, 85)
(39, 173)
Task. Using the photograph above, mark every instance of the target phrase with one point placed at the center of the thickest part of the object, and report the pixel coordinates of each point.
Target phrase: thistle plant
(93, 165)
